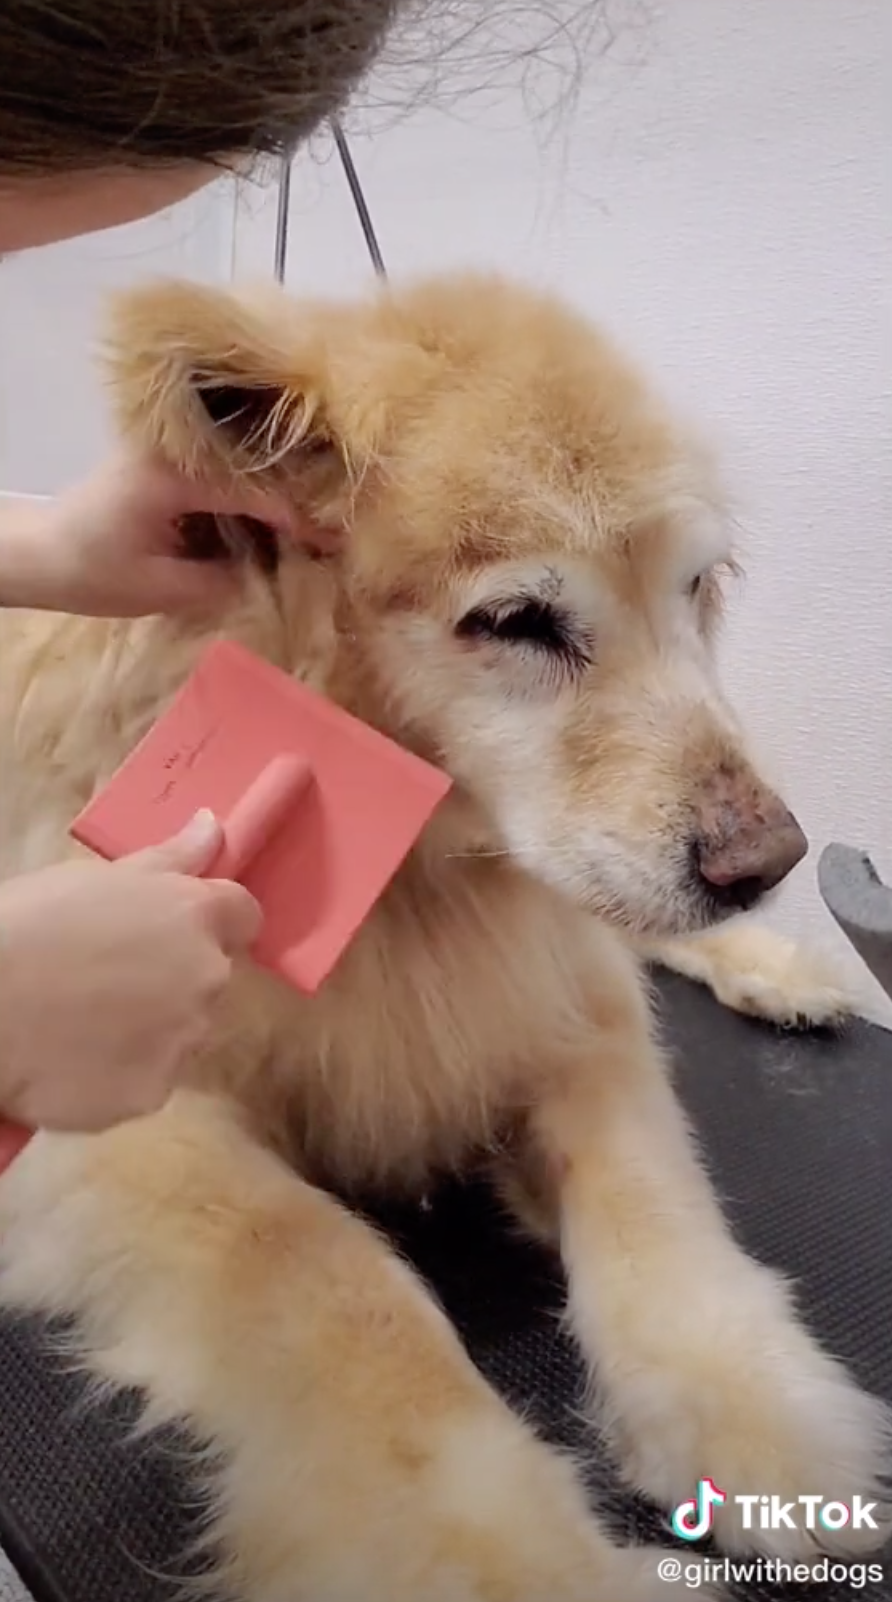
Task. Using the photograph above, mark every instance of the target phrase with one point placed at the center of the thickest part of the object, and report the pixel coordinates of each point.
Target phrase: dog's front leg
(360, 1456)
(697, 1357)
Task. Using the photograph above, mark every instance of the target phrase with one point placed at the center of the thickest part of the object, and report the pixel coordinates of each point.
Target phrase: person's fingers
(191, 851)
(234, 917)
(264, 505)
(248, 498)
(166, 495)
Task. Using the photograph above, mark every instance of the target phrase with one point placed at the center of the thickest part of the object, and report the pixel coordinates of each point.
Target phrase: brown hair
(100, 83)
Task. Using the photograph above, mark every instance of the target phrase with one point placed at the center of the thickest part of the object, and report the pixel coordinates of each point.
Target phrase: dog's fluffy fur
(526, 590)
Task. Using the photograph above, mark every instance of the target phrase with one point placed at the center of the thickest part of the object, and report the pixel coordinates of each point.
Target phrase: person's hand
(112, 547)
(109, 978)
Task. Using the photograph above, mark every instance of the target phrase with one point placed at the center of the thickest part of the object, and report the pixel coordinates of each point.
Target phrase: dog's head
(528, 574)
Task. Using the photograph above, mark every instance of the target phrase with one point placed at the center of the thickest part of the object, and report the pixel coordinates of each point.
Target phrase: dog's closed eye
(532, 623)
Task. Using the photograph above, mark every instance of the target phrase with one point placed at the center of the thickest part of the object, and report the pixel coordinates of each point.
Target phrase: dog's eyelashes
(532, 623)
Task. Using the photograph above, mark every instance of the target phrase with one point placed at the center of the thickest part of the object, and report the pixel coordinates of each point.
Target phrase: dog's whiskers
(454, 856)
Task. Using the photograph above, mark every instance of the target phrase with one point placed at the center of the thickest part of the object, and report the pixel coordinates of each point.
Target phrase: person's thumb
(191, 851)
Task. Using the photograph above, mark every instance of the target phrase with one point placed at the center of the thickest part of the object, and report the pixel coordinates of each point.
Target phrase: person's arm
(26, 559)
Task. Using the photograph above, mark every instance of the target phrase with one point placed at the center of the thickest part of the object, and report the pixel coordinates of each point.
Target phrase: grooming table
(798, 1132)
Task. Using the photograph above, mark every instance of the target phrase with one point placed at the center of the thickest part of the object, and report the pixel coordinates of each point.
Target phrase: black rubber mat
(799, 1135)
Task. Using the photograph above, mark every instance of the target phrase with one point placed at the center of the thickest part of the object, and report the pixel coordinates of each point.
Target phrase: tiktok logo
(692, 1520)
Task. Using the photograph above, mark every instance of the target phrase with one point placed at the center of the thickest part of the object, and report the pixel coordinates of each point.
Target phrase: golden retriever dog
(518, 574)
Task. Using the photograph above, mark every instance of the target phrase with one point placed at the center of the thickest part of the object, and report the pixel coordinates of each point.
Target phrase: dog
(515, 566)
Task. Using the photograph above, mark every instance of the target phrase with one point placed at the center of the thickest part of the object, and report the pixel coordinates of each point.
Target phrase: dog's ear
(223, 384)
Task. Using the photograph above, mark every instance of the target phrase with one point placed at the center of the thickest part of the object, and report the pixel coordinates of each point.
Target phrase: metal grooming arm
(862, 906)
(280, 258)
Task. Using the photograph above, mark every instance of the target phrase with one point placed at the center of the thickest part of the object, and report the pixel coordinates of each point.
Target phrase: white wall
(718, 197)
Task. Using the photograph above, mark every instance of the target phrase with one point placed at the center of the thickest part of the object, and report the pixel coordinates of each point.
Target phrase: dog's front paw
(730, 1389)
(769, 976)
(754, 970)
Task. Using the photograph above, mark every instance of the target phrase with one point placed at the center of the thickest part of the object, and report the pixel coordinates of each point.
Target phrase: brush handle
(260, 813)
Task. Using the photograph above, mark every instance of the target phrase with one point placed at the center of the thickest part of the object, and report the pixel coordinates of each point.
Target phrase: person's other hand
(110, 974)
(111, 546)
